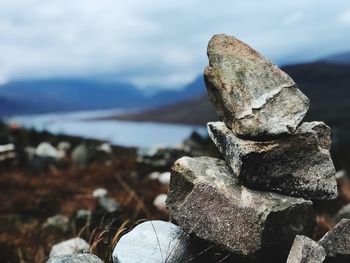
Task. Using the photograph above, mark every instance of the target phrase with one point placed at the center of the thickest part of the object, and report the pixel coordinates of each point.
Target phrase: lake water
(125, 133)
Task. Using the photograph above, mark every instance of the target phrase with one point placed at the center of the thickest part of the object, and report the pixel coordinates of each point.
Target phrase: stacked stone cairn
(258, 199)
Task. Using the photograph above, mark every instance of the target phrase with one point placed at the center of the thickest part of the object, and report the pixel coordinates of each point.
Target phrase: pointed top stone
(252, 95)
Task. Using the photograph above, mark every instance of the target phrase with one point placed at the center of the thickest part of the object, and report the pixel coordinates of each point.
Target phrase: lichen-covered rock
(297, 165)
(76, 258)
(253, 96)
(336, 242)
(205, 199)
(151, 242)
(306, 250)
(68, 247)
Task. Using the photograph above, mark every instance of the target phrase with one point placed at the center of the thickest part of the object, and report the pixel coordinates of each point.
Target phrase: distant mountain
(193, 89)
(327, 85)
(197, 111)
(343, 58)
(55, 95)
(67, 94)
(70, 94)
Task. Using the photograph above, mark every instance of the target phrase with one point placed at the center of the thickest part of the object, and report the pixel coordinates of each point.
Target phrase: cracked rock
(253, 96)
(297, 165)
(306, 250)
(206, 200)
(336, 242)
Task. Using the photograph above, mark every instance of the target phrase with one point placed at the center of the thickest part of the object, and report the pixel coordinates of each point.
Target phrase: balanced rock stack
(260, 196)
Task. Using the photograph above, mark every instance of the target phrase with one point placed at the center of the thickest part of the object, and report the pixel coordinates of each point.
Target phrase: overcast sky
(158, 42)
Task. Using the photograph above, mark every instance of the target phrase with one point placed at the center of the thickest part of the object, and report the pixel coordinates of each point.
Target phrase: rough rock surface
(296, 165)
(76, 258)
(336, 242)
(71, 246)
(252, 95)
(151, 242)
(205, 199)
(306, 250)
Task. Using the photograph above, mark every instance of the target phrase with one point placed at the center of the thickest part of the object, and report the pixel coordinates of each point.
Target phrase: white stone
(71, 246)
(159, 202)
(152, 242)
(45, 149)
(100, 192)
(164, 178)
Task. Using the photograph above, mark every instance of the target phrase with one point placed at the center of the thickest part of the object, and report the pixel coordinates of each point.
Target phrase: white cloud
(157, 42)
(293, 19)
(344, 18)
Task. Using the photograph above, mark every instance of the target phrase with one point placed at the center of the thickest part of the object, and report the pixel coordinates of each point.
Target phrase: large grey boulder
(207, 200)
(336, 242)
(253, 96)
(71, 246)
(76, 258)
(297, 165)
(306, 250)
(153, 242)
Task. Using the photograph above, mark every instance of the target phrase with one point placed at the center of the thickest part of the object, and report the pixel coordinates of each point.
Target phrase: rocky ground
(47, 200)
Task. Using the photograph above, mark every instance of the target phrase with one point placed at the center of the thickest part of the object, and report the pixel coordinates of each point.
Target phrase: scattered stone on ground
(164, 178)
(105, 147)
(45, 149)
(76, 258)
(151, 242)
(306, 250)
(340, 174)
(336, 242)
(159, 202)
(298, 165)
(57, 222)
(107, 205)
(83, 217)
(64, 146)
(253, 96)
(343, 213)
(154, 175)
(207, 200)
(71, 246)
(100, 192)
(80, 154)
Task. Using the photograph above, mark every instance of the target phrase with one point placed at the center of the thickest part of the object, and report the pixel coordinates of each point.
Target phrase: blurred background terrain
(107, 95)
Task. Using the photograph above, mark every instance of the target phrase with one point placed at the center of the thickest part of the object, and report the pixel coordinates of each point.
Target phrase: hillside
(327, 85)
(56, 95)
(196, 111)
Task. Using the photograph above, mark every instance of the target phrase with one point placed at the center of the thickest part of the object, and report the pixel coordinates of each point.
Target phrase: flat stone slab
(336, 242)
(250, 94)
(205, 199)
(306, 250)
(153, 242)
(297, 165)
